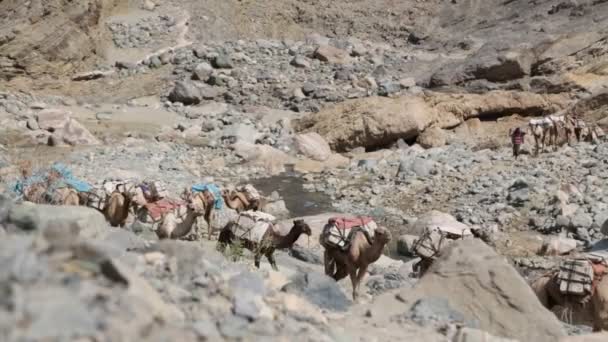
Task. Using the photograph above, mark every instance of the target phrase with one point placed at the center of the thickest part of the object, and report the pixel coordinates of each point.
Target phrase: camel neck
(376, 249)
(290, 238)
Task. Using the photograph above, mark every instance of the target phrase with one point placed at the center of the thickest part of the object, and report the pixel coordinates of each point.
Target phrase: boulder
(442, 221)
(491, 62)
(330, 54)
(432, 137)
(405, 244)
(222, 61)
(202, 72)
(73, 133)
(186, 93)
(313, 146)
(482, 286)
(467, 334)
(558, 246)
(371, 122)
(52, 119)
(268, 157)
(240, 132)
(318, 289)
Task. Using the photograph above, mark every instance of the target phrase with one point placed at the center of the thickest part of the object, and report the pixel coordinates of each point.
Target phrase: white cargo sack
(250, 192)
(575, 277)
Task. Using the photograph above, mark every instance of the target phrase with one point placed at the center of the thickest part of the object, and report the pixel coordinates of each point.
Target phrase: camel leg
(600, 306)
(329, 264)
(360, 274)
(256, 260)
(273, 263)
(353, 280)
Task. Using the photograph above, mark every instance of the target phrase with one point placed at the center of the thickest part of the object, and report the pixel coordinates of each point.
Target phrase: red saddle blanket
(345, 223)
(159, 208)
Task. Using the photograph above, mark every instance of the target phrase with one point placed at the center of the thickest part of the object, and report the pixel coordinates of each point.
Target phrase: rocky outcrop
(379, 122)
(51, 37)
(485, 288)
(371, 123)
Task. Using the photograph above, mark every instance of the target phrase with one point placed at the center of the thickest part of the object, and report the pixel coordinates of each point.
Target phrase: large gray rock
(491, 62)
(483, 286)
(186, 93)
(89, 222)
(318, 289)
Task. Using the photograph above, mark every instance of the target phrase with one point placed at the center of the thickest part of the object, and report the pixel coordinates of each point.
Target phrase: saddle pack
(252, 225)
(430, 243)
(576, 277)
(250, 192)
(339, 230)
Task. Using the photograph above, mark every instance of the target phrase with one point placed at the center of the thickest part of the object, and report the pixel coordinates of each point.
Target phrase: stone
(90, 222)
(277, 209)
(405, 244)
(222, 61)
(52, 119)
(240, 132)
(313, 146)
(206, 330)
(301, 310)
(442, 221)
(251, 307)
(581, 219)
(330, 54)
(371, 122)
(306, 255)
(202, 72)
(436, 311)
(267, 157)
(470, 275)
(300, 62)
(420, 167)
(125, 65)
(466, 334)
(73, 133)
(432, 137)
(104, 116)
(186, 93)
(32, 124)
(318, 289)
(248, 283)
(558, 246)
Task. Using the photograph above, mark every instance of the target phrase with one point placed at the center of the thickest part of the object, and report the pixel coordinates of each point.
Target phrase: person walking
(517, 138)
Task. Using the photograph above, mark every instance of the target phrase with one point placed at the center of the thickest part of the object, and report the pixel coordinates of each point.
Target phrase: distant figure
(517, 138)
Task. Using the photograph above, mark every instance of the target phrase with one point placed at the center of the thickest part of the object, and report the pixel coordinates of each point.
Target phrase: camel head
(194, 201)
(302, 226)
(382, 235)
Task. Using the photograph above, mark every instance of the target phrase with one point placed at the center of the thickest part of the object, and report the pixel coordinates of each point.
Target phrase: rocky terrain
(399, 110)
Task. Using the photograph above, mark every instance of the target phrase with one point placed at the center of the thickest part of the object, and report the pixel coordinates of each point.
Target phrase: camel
(593, 311)
(357, 258)
(66, 196)
(178, 222)
(542, 129)
(269, 242)
(116, 209)
(238, 201)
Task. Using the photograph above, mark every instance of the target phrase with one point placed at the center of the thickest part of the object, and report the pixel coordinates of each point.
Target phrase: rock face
(63, 38)
(313, 146)
(186, 93)
(483, 286)
(432, 137)
(370, 123)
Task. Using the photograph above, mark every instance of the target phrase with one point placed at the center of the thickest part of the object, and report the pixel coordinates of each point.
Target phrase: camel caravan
(556, 130)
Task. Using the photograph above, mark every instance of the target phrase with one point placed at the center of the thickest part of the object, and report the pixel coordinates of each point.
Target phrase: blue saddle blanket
(213, 189)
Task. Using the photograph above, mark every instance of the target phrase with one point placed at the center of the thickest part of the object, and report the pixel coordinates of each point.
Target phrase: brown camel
(238, 201)
(357, 258)
(270, 241)
(592, 310)
(66, 196)
(116, 209)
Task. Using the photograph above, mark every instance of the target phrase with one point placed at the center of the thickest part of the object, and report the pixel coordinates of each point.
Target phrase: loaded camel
(240, 201)
(269, 242)
(592, 310)
(357, 258)
(177, 222)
